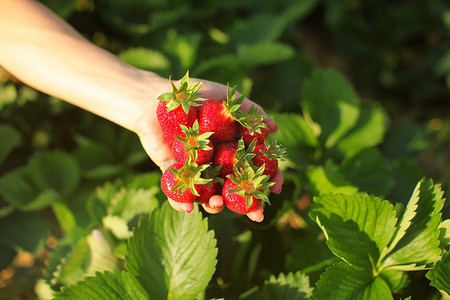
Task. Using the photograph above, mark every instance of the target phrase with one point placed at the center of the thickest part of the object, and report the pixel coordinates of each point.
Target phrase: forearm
(46, 53)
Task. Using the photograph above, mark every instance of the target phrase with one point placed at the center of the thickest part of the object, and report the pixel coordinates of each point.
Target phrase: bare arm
(48, 54)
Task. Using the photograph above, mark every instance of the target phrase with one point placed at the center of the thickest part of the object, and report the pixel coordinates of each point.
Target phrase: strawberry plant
(359, 91)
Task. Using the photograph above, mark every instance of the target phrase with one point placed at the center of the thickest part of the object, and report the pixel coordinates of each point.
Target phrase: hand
(160, 152)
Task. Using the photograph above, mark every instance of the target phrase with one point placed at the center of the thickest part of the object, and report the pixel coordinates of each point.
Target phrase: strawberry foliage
(359, 91)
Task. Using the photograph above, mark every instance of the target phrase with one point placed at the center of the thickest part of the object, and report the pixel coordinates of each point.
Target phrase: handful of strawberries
(219, 149)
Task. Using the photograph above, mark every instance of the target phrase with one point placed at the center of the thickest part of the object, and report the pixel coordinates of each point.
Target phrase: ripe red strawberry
(178, 107)
(183, 183)
(253, 126)
(220, 117)
(268, 154)
(231, 154)
(191, 141)
(211, 188)
(244, 191)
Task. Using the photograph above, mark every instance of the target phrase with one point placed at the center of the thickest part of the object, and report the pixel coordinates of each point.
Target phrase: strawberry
(183, 182)
(211, 188)
(178, 108)
(220, 117)
(268, 154)
(231, 154)
(253, 126)
(245, 190)
(191, 141)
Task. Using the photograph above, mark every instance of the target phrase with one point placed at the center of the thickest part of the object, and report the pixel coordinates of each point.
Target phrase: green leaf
(259, 28)
(370, 171)
(415, 245)
(294, 131)
(368, 131)
(440, 274)
(118, 227)
(293, 286)
(329, 101)
(67, 262)
(107, 285)
(145, 58)
(444, 236)
(55, 170)
(102, 256)
(16, 224)
(325, 179)
(172, 254)
(64, 216)
(357, 227)
(260, 54)
(341, 281)
(10, 138)
(396, 279)
(18, 189)
(183, 47)
(7, 255)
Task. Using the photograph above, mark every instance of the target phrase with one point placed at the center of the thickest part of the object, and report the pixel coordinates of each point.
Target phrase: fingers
(257, 215)
(214, 205)
(182, 207)
(278, 179)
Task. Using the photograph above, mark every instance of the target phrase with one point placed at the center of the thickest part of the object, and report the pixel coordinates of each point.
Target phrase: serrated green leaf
(357, 227)
(341, 281)
(145, 58)
(326, 179)
(107, 285)
(172, 254)
(66, 263)
(367, 132)
(440, 274)
(293, 286)
(331, 103)
(102, 255)
(415, 245)
(10, 138)
(55, 170)
(71, 267)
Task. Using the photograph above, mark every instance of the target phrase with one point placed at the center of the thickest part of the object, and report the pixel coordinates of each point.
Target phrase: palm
(159, 150)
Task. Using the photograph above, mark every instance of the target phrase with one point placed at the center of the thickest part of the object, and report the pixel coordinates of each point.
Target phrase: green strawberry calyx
(185, 95)
(253, 120)
(250, 183)
(233, 103)
(213, 174)
(193, 140)
(189, 175)
(273, 150)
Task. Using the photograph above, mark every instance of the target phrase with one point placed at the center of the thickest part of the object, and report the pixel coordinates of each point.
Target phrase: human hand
(160, 152)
